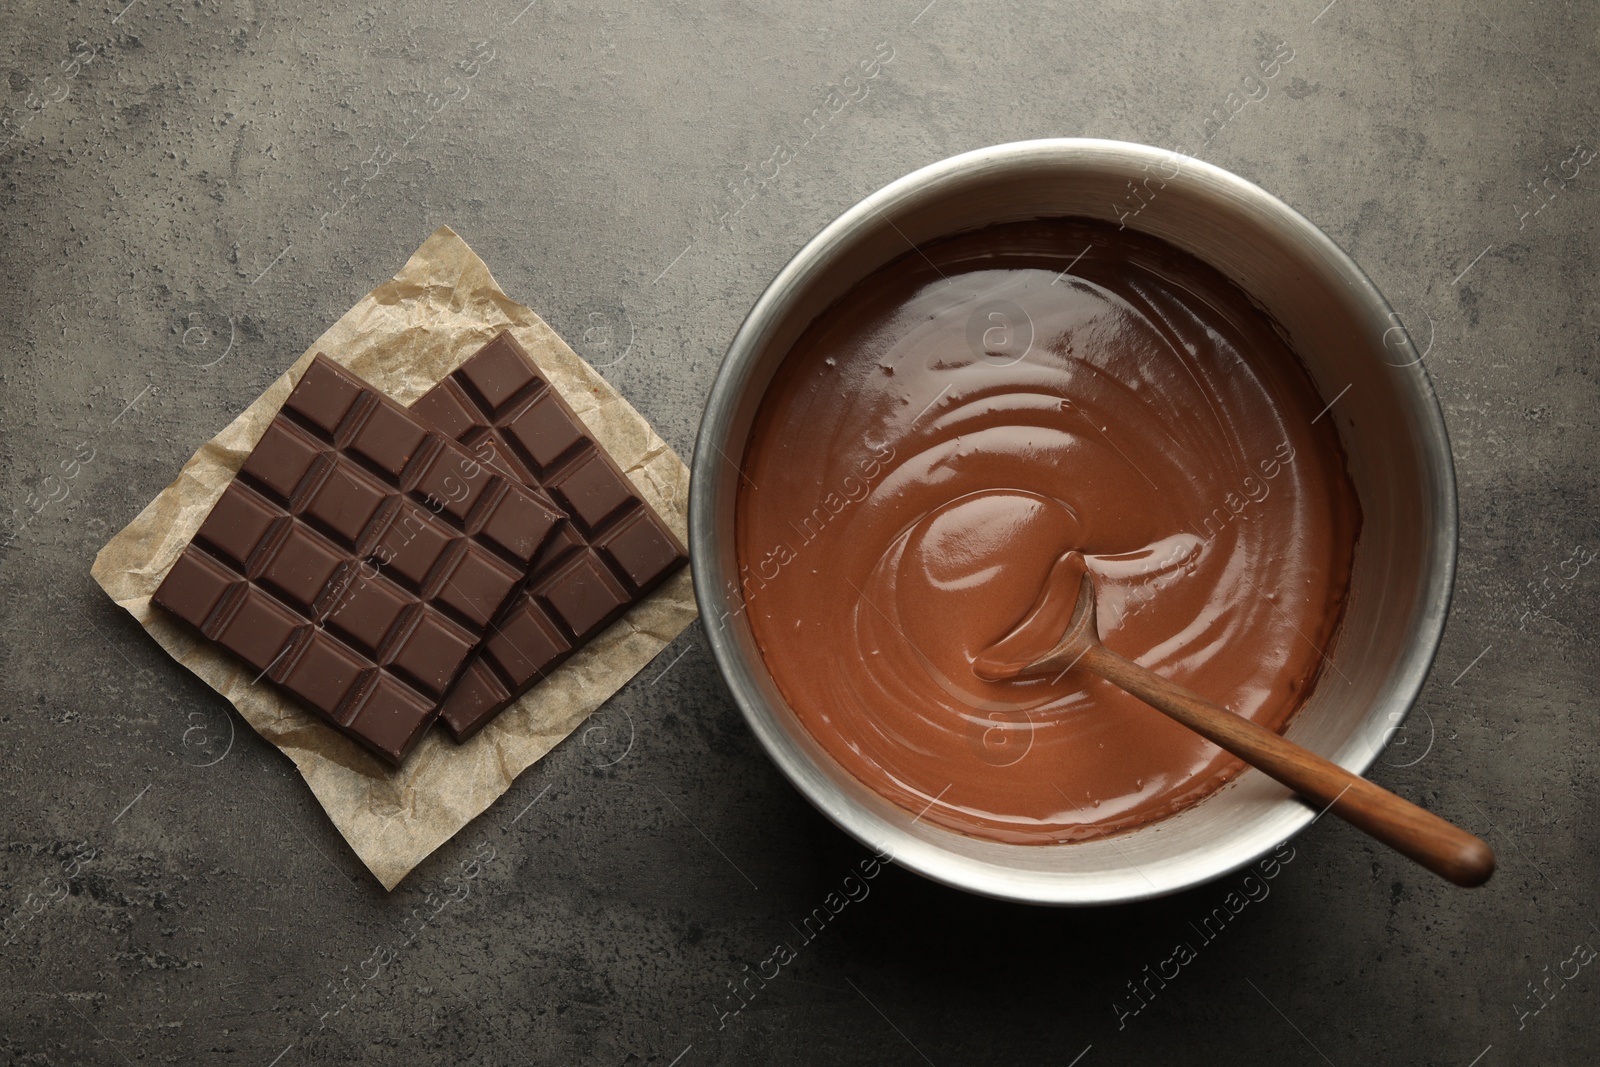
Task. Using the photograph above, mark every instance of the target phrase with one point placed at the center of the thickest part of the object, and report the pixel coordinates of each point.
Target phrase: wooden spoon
(1439, 846)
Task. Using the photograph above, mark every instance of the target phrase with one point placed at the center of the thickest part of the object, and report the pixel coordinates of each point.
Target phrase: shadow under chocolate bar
(358, 558)
(613, 551)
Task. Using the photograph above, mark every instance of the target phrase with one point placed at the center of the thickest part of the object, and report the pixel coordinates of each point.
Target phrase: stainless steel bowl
(1359, 356)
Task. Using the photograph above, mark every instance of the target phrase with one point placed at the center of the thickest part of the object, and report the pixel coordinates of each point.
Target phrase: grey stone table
(192, 190)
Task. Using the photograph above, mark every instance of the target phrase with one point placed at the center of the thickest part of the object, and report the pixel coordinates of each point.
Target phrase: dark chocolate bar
(359, 558)
(608, 557)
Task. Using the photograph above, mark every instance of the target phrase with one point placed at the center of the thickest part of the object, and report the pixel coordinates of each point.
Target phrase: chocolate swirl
(965, 418)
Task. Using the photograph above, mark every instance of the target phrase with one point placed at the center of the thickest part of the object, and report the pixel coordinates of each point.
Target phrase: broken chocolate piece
(612, 554)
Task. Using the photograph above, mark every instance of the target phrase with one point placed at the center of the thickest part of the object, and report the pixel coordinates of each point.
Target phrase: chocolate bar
(359, 558)
(610, 554)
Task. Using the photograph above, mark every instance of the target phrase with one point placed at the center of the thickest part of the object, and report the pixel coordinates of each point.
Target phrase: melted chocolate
(966, 417)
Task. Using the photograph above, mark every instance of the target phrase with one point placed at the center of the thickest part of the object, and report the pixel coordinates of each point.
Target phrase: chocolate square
(525, 642)
(281, 460)
(388, 440)
(584, 595)
(411, 545)
(520, 524)
(592, 490)
(497, 372)
(389, 717)
(198, 585)
(476, 696)
(238, 523)
(259, 630)
(452, 484)
(476, 583)
(323, 672)
(442, 411)
(301, 567)
(432, 652)
(346, 503)
(365, 609)
(640, 548)
(325, 394)
(545, 430)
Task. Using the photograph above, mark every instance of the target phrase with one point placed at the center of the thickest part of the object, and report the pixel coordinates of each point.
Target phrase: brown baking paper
(404, 337)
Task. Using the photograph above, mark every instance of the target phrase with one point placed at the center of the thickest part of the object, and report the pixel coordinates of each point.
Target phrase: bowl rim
(1411, 669)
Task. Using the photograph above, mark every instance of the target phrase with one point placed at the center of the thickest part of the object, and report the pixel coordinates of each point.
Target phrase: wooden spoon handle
(1443, 848)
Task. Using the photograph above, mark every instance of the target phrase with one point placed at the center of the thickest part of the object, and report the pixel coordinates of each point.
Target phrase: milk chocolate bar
(610, 554)
(359, 558)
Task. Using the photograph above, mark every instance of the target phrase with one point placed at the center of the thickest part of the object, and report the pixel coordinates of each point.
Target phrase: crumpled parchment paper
(404, 337)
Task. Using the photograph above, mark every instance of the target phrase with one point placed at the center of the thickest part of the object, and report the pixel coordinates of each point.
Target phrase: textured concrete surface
(191, 191)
